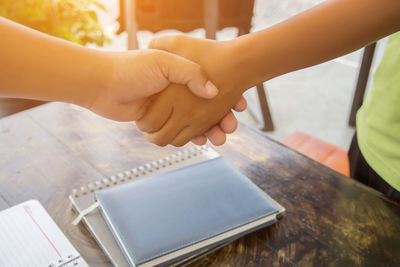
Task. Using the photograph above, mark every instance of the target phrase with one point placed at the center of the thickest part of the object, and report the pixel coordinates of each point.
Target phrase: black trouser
(361, 171)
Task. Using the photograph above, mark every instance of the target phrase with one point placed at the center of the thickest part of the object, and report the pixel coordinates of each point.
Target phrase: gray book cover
(160, 219)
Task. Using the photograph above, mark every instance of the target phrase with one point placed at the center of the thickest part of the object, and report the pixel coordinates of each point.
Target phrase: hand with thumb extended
(199, 120)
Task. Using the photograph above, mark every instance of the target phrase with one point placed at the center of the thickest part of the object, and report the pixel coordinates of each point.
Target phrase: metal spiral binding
(70, 260)
(140, 171)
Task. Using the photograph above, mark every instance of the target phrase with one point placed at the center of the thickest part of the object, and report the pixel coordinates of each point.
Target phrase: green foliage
(73, 20)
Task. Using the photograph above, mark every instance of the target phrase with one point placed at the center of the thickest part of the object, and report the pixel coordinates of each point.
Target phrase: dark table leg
(268, 125)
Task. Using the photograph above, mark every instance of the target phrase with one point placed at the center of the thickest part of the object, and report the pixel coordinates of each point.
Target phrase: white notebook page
(29, 237)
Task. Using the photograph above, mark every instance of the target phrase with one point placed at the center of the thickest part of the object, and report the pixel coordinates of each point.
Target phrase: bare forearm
(38, 66)
(324, 32)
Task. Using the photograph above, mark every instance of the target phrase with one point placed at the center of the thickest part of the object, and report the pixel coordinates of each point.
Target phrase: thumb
(180, 70)
(167, 43)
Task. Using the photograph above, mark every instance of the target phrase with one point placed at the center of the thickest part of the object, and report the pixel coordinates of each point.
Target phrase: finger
(176, 133)
(184, 137)
(167, 133)
(241, 105)
(167, 43)
(187, 134)
(180, 70)
(200, 140)
(216, 136)
(153, 120)
(229, 123)
(215, 133)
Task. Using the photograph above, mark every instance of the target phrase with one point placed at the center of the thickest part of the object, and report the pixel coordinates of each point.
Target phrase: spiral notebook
(152, 230)
(29, 237)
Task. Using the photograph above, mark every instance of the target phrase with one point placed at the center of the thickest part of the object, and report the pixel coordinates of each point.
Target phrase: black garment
(361, 171)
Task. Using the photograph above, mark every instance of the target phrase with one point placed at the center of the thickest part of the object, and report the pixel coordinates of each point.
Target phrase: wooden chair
(185, 16)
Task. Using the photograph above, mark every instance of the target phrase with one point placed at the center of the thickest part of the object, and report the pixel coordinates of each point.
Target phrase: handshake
(171, 90)
(181, 89)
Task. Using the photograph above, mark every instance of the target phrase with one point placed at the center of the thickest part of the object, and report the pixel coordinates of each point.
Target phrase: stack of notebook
(174, 209)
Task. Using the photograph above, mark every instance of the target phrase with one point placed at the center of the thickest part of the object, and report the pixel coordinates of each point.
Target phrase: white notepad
(29, 237)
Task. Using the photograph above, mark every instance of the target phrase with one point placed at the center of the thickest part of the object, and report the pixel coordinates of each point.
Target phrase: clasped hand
(176, 116)
(171, 116)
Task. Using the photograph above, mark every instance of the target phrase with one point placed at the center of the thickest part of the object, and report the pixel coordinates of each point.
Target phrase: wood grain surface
(330, 220)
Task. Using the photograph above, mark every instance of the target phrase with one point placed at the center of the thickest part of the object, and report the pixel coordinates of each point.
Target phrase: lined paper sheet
(29, 237)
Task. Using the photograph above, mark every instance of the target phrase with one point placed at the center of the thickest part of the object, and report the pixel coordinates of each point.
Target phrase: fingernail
(211, 89)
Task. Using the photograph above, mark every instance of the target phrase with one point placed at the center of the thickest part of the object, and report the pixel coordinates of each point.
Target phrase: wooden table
(330, 219)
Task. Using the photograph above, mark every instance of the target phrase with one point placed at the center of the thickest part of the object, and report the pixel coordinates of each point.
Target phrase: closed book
(164, 218)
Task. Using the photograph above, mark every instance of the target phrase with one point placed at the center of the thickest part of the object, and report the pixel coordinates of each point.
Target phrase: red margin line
(41, 230)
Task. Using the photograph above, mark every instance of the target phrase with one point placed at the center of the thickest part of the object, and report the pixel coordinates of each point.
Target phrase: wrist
(227, 71)
(96, 71)
(249, 62)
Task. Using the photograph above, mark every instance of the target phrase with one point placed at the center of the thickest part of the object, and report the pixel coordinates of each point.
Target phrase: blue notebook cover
(177, 213)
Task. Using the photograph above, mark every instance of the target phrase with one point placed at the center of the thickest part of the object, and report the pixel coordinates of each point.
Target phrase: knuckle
(158, 140)
(176, 44)
(145, 126)
(163, 56)
(197, 72)
(198, 69)
(158, 42)
(141, 125)
(176, 40)
(178, 143)
(218, 140)
(153, 43)
(199, 140)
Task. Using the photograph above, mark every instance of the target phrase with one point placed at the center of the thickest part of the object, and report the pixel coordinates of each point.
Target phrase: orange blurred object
(332, 156)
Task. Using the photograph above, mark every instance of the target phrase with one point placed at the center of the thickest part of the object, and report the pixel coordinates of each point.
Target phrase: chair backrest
(185, 16)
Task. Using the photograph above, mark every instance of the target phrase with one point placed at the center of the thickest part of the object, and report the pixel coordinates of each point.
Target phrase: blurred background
(316, 100)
